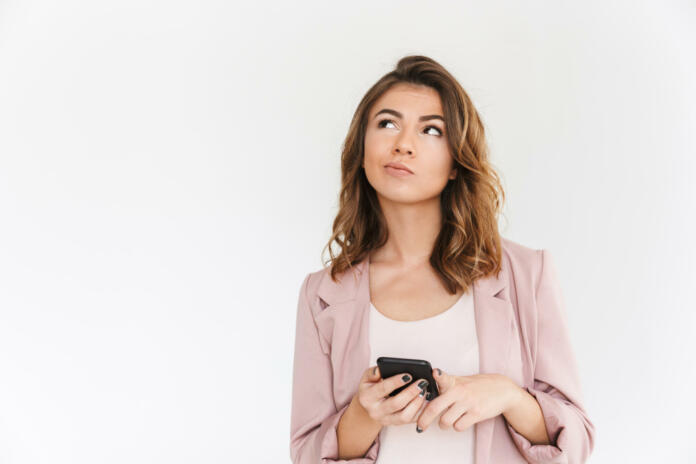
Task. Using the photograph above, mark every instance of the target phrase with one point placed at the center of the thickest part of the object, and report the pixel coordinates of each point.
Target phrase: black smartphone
(417, 368)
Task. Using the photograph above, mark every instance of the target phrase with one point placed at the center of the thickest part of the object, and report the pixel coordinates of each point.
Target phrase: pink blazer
(522, 333)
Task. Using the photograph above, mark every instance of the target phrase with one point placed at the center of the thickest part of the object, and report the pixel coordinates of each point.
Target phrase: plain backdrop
(169, 173)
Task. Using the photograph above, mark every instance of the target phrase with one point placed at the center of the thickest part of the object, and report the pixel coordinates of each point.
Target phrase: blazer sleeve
(314, 414)
(556, 381)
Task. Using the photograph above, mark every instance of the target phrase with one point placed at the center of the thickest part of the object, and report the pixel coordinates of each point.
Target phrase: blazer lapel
(494, 329)
(343, 327)
(343, 324)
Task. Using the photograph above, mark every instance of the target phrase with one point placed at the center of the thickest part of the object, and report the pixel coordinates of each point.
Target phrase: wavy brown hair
(469, 245)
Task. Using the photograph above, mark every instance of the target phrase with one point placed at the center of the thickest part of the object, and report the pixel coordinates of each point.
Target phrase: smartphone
(417, 368)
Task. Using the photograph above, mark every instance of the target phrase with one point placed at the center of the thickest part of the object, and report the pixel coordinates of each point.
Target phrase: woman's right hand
(373, 396)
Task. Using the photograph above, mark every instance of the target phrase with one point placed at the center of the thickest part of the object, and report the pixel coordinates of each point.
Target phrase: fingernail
(439, 372)
(406, 378)
(418, 429)
(423, 385)
(374, 370)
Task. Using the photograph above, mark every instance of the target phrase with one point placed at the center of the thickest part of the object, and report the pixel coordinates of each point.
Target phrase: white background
(169, 173)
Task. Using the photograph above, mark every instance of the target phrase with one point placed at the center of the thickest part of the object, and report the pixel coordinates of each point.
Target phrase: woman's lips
(397, 172)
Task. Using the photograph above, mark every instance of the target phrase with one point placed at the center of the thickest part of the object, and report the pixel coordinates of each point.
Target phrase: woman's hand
(373, 396)
(467, 400)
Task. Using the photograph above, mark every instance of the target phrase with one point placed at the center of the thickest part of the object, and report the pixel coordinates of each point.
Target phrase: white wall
(169, 173)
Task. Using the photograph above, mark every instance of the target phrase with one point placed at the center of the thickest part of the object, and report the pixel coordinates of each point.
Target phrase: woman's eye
(384, 122)
(439, 132)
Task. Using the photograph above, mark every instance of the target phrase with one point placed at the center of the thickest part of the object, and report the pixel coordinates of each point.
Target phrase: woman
(423, 273)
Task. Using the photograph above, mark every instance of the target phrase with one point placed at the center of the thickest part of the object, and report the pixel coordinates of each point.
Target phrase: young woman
(423, 273)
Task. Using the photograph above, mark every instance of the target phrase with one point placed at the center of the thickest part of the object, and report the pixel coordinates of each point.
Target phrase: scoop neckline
(443, 313)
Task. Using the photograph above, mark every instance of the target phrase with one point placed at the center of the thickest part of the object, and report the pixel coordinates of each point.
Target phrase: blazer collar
(351, 282)
(349, 300)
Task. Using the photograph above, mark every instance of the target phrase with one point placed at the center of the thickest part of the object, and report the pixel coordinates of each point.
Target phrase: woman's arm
(314, 413)
(556, 385)
(356, 431)
(526, 417)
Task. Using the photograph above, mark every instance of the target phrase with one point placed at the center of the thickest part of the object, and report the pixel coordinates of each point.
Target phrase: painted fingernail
(428, 396)
(439, 372)
(423, 385)
(418, 429)
(406, 378)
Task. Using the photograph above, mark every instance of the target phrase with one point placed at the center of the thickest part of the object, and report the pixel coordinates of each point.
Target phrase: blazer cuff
(329, 443)
(554, 412)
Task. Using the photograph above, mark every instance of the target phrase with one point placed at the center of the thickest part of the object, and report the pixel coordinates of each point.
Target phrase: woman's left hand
(467, 400)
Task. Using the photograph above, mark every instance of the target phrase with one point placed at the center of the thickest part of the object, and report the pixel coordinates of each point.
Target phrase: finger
(364, 378)
(465, 421)
(444, 380)
(452, 415)
(370, 375)
(410, 413)
(369, 378)
(400, 401)
(432, 410)
(385, 386)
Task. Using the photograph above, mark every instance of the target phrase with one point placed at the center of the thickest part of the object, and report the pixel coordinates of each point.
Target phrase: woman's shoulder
(518, 252)
(313, 278)
(320, 283)
(521, 258)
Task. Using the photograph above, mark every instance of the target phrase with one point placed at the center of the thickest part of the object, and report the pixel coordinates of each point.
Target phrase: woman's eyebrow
(399, 115)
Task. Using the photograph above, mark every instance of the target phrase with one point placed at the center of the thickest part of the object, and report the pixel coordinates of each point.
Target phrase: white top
(447, 340)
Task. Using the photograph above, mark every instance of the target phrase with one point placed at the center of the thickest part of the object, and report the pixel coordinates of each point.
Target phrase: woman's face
(396, 134)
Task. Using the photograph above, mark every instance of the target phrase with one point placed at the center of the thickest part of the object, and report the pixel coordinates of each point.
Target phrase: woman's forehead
(409, 98)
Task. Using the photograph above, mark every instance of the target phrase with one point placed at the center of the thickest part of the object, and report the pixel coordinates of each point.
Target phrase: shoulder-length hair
(469, 245)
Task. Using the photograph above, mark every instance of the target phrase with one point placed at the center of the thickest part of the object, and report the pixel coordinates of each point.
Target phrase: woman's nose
(403, 144)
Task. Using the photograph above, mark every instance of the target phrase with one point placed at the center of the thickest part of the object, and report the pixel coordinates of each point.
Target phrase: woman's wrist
(356, 432)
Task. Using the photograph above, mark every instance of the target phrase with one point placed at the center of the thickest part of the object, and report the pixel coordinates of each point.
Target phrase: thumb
(443, 379)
